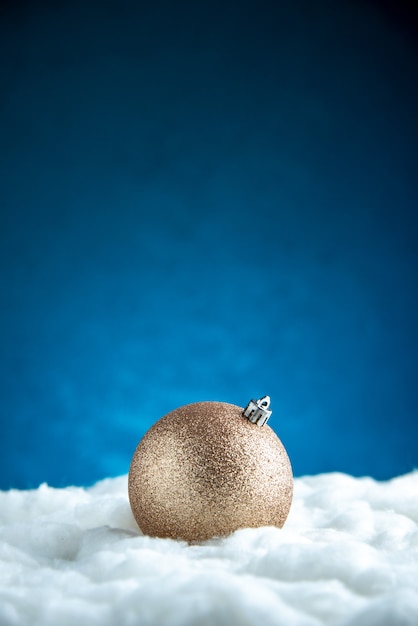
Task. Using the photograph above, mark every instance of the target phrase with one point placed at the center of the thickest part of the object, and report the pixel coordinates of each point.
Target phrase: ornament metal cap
(257, 411)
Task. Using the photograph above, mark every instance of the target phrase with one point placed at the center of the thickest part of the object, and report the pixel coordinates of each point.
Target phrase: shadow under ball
(204, 470)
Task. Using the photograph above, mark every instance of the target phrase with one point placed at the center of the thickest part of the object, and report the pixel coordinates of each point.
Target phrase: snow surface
(348, 555)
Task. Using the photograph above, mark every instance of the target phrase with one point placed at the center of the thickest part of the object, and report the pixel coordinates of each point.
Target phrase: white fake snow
(348, 555)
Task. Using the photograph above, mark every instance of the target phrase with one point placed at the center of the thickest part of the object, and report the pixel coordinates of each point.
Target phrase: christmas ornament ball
(204, 470)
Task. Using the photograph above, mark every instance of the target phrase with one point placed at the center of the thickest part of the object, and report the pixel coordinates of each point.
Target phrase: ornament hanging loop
(257, 411)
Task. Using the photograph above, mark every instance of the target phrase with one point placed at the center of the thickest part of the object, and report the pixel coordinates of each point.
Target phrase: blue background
(208, 201)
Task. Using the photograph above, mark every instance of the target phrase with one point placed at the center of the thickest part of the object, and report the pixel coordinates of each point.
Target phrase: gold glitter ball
(204, 470)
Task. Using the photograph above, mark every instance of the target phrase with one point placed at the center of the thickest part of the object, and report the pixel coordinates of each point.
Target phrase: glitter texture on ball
(204, 470)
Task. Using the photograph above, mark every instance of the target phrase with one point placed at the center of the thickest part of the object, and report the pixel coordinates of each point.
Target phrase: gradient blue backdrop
(207, 202)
